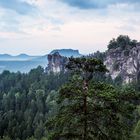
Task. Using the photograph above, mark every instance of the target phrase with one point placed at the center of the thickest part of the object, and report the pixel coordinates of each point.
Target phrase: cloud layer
(96, 4)
(38, 26)
(20, 7)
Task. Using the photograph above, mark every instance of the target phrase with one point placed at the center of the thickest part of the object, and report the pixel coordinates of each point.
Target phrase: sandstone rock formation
(124, 63)
(56, 63)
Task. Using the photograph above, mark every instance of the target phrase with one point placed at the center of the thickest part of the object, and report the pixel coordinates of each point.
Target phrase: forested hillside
(82, 103)
(26, 101)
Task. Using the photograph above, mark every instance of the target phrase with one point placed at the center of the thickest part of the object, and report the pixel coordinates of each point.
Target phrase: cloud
(83, 4)
(38, 26)
(21, 7)
(96, 4)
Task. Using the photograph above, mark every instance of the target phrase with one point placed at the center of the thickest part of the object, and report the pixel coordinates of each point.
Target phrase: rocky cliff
(124, 63)
(122, 59)
(56, 63)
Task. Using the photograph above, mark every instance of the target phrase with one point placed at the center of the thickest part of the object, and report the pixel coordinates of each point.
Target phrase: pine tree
(90, 110)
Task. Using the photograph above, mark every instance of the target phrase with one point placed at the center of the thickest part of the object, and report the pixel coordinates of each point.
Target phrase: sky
(36, 27)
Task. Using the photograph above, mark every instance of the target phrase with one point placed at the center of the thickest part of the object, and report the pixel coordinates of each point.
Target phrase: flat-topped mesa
(56, 63)
(67, 52)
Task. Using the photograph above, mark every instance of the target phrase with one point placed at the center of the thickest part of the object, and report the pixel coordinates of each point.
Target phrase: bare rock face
(56, 63)
(124, 63)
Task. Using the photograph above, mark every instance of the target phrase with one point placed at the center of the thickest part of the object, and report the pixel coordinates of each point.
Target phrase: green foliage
(98, 55)
(137, 129)
(136, 133)
(24, 105)
(122, 41)
(5, 138)
(91, 110)
(118, 81)
(106, 107)
(112, 44)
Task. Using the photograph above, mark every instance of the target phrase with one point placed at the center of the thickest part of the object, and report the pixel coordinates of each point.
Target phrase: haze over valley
(24, 63)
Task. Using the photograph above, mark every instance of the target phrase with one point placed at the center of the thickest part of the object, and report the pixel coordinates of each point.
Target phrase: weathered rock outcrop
(56, 63)
(124, 63)
(122, 60)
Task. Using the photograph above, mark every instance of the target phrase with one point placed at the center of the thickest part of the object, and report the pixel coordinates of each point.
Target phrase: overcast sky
(39, 26)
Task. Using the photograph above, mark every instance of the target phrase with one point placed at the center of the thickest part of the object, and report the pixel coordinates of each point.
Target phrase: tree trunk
(85, 88)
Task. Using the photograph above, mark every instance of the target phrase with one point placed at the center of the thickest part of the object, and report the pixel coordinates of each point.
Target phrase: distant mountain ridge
(24, 62)
(21, 62)
(16, 57)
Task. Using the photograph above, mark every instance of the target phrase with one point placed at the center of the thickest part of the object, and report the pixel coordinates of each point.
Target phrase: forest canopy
(78, 104)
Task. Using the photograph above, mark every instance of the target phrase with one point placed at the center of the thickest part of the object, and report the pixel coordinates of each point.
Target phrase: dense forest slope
(26, 102)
